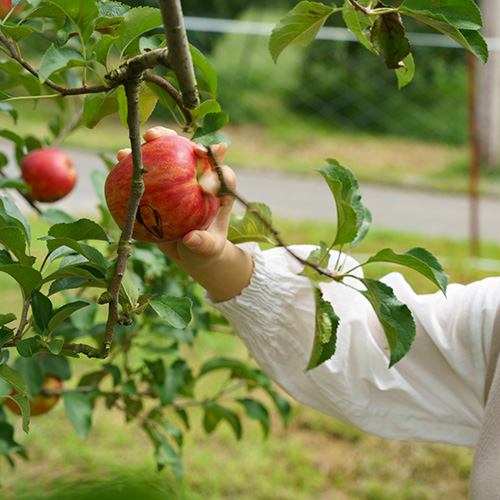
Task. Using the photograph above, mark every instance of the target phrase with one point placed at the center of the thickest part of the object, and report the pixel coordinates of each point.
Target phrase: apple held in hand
(41, 403)
(173, 202)
(50, 173)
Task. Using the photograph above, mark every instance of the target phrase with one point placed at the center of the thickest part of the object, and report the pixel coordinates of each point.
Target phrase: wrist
(226, 275)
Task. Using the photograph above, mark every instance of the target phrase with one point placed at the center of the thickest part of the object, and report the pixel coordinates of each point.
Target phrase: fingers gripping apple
(173, 202)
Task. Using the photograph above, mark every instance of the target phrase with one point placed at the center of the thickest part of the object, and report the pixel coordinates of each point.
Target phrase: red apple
(41, 403)
(50, 173)
(173, 202)
(6, 5)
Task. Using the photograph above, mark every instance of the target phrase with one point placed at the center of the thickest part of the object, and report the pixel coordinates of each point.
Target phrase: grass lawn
(314, 457)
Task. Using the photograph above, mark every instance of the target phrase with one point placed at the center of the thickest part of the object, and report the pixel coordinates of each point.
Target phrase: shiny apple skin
(173, 202)
(50, 173)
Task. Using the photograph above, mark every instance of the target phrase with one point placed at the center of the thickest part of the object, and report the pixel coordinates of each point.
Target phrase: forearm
(225, 277)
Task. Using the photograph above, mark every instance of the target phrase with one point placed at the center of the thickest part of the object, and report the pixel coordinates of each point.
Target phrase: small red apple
(50, 173)
(173, 202)
(41, 403)
(6, 5)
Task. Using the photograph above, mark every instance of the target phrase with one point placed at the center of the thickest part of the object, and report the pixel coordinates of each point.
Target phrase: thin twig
(70, 126)
(172, 92)
(360, 7)
(132, 90)
(226, 190)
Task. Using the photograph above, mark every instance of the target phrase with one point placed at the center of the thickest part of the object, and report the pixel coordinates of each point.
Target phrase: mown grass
(314, 457)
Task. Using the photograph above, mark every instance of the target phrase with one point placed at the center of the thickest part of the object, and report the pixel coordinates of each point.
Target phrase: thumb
(200, 242)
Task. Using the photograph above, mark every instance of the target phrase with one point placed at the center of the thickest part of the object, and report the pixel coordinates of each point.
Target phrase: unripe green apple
(173, 202)
(41, 403)
(50, 173)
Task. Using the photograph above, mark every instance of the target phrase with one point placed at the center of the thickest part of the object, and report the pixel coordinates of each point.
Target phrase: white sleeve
(435, 393)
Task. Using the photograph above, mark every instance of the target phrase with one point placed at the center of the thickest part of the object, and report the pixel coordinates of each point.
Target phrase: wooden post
(474, 156)
(488, 89)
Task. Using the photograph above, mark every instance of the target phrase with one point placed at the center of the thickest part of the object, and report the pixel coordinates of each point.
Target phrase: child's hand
(199, 248)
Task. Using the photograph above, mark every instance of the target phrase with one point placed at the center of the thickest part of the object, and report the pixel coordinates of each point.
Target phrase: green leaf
(238, 370)
(419, 259)
(388, 38)
(405, 74)
(177, 311)
(359, 24)
(321, 257)
(29, 279)
(8, 109)
(353, 217)
(76, 271)
(55, 60)
(147, 103)
(42, 309)
(56, 365)
(208, 134)
(98, 106)
(110, 14)
(71, 283)
(55, 346)
(64, 312)
(56, 216)
(24, 405)
(82, 13)
(19, 184)
(136, 22)
(166, 456)
(102, 48)
(82, 229)
(17, 32)
(14, 378)
(175, 378)
(206, 69)
(299, 26)
(214, 413)
(463, 14)
(469, 39)
(250, 226)
(282, 404)
(325, 332)
(27, 348)
(78, 407)
(21, 77)
(7, 443)
(394, 316)
(12, 215)
(129, 293)
(92, 254)
(14, 239)
(257, 411)
(32, 371)
(7, 318)
(205, 108)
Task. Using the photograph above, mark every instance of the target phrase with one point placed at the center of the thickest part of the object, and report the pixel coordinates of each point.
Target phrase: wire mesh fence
(337, 82)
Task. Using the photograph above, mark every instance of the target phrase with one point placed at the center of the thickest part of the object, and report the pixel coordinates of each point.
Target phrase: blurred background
(436, 138)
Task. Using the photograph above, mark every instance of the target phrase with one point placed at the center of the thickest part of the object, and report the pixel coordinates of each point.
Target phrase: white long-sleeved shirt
(435, 393)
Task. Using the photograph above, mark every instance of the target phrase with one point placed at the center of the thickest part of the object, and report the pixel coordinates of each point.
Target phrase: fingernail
(193, 241)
